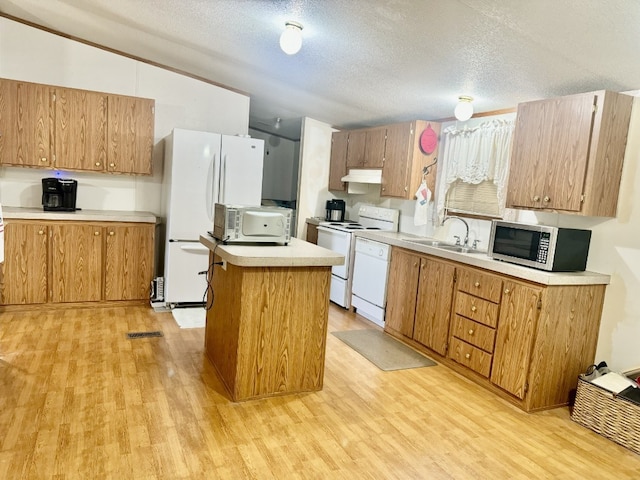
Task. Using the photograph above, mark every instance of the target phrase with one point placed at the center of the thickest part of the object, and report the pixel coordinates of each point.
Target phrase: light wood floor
(80, 401)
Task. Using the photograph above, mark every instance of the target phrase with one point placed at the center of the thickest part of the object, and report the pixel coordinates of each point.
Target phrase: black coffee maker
(335, 211)
(59, 194)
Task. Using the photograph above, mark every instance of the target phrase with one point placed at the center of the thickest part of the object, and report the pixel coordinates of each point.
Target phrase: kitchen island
(267, 320)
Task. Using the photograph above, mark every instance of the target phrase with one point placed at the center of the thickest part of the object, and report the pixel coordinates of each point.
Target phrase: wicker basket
(615, 418)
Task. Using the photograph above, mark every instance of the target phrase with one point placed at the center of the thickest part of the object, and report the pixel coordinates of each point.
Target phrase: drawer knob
(467, 356)
(471, 331)
(477, 284)
(474, 308)
(547, 199)
(112, 165)
(43, 159)
(96, 233)
(40, 232)
(112, 233)
(536, 198)
(97, 164)
(506, 291)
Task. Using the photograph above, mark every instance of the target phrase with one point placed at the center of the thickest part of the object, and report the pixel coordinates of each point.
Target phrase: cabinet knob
(112, 165)
(383, 189)
(112, 233)
(40, 232)
(415, 264)
(536, 198)
(476, 284)
(467, 356)
(474, 308)
(97, 164)
(506, 291)
(471, 331)
(96, 233)
(43, 159)
(547, 199)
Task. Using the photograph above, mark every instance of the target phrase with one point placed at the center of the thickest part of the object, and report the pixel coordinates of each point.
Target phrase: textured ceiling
(368, 62)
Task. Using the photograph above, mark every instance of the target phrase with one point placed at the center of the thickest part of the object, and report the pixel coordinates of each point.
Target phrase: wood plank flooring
(78, 400)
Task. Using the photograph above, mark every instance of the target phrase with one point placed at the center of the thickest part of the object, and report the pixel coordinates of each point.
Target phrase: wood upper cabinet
(568, 152)
(433, 310)
(131, 124)
(128, 273)
(76, 262)
(24, 271)
(80, 130)
(405, 159)
(519, 311)
(404, 272)
(357, 144)
(338, 161)
(366, 148)
(26, 123)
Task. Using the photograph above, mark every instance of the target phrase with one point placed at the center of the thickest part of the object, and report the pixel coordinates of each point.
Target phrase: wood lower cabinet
(419, 298)
(76, 262)
(312, 233)
(24, 279)
(128, 274)
(523, 341)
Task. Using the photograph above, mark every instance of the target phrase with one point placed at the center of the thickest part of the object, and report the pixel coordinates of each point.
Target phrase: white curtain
(474, 155)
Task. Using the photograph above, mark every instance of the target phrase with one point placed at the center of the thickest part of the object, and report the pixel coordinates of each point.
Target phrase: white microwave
(247, 224)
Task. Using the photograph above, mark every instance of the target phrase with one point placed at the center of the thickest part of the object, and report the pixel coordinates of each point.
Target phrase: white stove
(338, 236)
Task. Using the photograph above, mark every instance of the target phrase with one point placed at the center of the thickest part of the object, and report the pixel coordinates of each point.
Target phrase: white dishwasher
(370, 271)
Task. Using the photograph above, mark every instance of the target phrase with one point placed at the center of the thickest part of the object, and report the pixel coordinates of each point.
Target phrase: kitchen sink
(443, 245)
(459, 248)
(429, 243)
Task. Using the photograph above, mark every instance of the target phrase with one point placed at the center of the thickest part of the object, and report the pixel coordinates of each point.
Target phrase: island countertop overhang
(297, 253)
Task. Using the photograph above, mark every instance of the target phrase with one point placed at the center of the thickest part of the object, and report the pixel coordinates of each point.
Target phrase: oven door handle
(333, 231)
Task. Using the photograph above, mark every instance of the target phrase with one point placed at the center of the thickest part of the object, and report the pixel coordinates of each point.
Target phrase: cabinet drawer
(480, 284)
(474, 333)
(470, 356)
(476, 309)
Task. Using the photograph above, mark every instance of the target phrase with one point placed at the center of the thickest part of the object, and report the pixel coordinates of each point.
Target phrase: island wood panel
(76, 262)
(128, 261)
(474, 333)
(516, 327)
(26, 124)
(130, 130)
(433, 308)
(477, 309)
(24, 271)
(266, 332)
(80, 129)
(566, 340)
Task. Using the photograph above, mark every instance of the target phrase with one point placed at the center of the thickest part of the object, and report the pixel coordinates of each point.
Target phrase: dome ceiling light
(291, 38)
(464, 108)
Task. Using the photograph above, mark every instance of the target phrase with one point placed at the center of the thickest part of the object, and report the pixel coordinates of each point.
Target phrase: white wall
(280, 173)
(32, 55)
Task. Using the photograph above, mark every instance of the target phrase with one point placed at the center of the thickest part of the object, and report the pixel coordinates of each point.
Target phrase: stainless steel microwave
(554, 249)
(246, 224)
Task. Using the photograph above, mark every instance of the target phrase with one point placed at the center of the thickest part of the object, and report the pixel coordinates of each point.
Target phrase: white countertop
(482, 260)
(25, 213)
(297, 254)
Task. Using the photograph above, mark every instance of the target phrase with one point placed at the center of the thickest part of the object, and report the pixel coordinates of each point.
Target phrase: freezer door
(241, 163)
(193, 182)
(183, 262)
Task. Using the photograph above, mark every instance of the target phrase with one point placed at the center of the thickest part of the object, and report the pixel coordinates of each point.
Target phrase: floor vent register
(132, 335)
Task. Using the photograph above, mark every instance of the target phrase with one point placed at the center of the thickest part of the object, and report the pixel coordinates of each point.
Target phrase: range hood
(363, 176)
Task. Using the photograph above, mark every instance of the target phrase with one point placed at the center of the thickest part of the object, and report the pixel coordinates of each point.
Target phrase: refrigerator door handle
(211, 187)
(223, 178)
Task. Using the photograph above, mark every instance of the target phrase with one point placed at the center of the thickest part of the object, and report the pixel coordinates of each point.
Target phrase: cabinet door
(80, 129)
(395, 172)
(26, 121)
(356, 149)
(130, 134)
(519, 311)
(402, 286)
(375, 147)
(338, 161)
(76, 262)
(128, 262)
(550, 152)
(24, 271)
(433, 310)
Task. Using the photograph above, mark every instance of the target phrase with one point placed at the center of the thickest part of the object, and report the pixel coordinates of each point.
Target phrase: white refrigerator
(201, 169)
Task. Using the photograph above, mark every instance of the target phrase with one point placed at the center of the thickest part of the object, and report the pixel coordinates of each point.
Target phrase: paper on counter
(614, 382)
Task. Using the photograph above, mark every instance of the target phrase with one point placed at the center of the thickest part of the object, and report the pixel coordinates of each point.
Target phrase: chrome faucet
(466, 236)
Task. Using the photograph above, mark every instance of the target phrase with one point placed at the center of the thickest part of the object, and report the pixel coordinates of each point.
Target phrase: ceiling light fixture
(291, 38)
(277, 124)
(464, 108)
